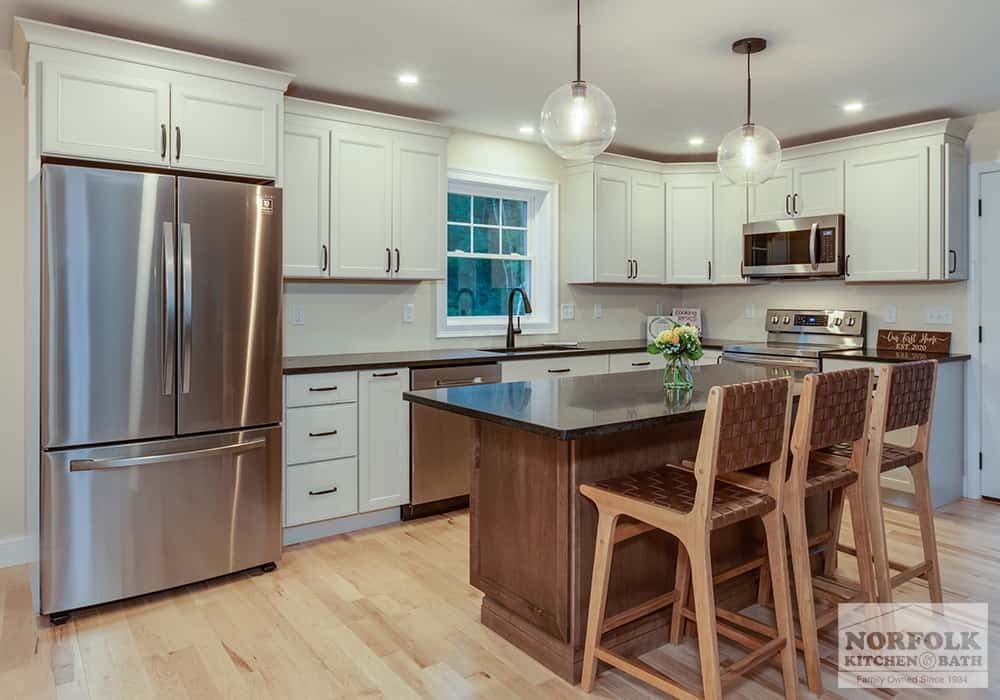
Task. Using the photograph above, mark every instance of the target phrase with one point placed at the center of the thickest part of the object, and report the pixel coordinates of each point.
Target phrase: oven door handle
(812, 244)
(768, 360)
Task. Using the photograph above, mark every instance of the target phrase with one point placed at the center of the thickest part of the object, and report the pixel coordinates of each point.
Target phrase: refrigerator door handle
(186, 293)
(169, 319)
(86, 465)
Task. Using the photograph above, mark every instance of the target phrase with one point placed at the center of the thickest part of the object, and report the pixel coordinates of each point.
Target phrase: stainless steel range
(796, 337)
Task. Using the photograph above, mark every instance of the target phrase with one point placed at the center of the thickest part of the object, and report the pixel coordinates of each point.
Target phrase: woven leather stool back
(910, 395)
(840, 406)
(752, 424)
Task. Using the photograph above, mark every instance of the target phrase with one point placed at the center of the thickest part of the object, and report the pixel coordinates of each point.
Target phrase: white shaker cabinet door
(611, 248)
(730, 215)
(222, 127)
(360, 202)
(886, 211)
(306, 198)
(420, 194)
(772, 200)
(384, 439)
(819, 187)
(689, 212)
(102, 109)
(647, 234)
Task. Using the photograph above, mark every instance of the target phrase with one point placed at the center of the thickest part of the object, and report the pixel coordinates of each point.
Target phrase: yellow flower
(663, 338)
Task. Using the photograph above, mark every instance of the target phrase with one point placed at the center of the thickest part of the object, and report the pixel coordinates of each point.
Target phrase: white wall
(984, 139)
(12, 186)
(368, 316)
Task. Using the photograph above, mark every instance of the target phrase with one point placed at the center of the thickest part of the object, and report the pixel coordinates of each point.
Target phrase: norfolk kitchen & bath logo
(913, 645)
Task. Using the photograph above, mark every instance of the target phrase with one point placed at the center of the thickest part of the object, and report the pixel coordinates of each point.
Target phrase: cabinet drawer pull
(788, 204)
(397, 259)
(559, 371)
(326, 257)
(323, 492)
(641, 364)
(322, 388)
(795, 203)
(388, 260)
(323, 434)
(177, 132)
(953, 257)
(163, 140)
(386, 374)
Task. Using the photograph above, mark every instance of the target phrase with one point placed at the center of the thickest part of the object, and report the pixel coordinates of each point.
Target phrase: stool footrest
(645, 672)
(755, 658)
(638, 611)
(916, 571)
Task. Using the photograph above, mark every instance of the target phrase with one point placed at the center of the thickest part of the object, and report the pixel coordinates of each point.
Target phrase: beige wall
(984, 139)
(364, 317)
(12, 224)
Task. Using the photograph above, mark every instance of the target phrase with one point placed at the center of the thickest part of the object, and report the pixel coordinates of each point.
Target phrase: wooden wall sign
(914, 341)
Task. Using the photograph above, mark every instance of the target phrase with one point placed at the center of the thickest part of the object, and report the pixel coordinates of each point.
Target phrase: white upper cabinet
(647, 239)
(954, 264)
(306, 198)
(217, 126)
(886, 213)
(730, 215)
(811, 186)
(689, 228)
(361, 202)
(373, 197)
(420, 193)
(101, 98)
(772, 199)
(612, 262)
(98, 108)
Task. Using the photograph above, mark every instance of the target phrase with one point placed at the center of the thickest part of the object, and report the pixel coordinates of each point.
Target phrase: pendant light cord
(578, 73)
(748, 83)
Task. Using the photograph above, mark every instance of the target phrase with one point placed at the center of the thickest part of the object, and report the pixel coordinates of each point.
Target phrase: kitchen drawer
(634, 362)
(554, 367)
(316, 389)
(314, 433)
(321, 490)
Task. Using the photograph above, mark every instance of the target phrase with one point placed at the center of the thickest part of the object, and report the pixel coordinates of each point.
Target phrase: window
(500, 237)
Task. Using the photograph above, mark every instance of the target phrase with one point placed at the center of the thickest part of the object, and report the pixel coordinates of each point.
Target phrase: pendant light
(749, 154)
(578, 119)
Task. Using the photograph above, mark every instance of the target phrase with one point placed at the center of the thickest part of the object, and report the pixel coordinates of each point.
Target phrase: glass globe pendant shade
(578, 121)
(749, 155)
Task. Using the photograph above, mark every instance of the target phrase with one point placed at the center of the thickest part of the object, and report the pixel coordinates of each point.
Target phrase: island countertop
(575, 407)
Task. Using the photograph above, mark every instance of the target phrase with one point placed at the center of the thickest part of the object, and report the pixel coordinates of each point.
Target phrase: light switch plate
(598, 311)
(407, 313)
(659, 308)
(939, 315)
(890, 313)
(298, 315)
(567, 312)
(749, 311)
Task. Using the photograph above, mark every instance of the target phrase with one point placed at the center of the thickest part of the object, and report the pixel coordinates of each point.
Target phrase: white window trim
(544, 226)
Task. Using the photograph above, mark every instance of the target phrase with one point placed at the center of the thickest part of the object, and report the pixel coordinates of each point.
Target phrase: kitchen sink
(536, 348)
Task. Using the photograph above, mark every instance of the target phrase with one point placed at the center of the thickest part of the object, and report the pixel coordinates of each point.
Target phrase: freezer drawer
(131, 519)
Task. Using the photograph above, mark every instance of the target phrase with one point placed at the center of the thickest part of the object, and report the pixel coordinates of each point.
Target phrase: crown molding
(29, 32)
(353, 115)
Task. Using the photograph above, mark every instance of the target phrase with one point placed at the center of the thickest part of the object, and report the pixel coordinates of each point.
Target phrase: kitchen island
(532, 533)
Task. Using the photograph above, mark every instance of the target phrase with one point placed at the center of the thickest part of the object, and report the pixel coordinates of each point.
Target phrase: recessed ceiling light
(696, 140)
(853, 107)
(527, 129)
(408, 78)
(199, 3)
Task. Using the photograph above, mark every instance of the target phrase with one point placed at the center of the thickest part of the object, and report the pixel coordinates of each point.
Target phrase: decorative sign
(914, 341)
(688, 317)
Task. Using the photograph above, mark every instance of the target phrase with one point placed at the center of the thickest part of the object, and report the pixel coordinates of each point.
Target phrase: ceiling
(488, 66)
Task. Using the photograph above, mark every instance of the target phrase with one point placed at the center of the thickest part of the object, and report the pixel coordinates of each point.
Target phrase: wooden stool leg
(862, 542)
(871, 496)
(782, 600)
(682, 590)
(798, 541)
(700, 558)
(925, 511)
(836, 519)
(764, 585)
(603, 550)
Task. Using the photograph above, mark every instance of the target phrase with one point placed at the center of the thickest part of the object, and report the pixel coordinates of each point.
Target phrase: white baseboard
(338, 526)
(14, 551)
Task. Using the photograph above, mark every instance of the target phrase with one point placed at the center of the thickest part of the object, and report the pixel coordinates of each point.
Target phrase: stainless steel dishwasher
(442, 444)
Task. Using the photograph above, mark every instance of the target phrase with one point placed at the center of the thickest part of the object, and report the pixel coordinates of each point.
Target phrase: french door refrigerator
(161, 382)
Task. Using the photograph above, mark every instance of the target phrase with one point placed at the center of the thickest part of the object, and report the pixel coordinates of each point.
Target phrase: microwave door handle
(812, 245)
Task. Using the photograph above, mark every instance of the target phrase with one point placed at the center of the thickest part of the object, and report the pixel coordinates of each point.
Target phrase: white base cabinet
(384, 439)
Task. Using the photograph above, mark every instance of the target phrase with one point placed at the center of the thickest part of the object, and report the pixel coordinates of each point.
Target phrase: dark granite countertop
(576, 407)
(875, 355)
(305, 364)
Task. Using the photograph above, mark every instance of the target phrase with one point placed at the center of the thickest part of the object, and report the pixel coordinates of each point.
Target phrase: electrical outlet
(890, 313)
(407, 313)
(939, 315)
(567, 312)
(598, 311)
(659, 308)
(298, 315)
(749, 311)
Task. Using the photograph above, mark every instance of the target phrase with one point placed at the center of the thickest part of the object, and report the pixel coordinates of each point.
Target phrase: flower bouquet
(680, 346)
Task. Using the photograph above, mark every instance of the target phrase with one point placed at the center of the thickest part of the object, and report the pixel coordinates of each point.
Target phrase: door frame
(973, 373)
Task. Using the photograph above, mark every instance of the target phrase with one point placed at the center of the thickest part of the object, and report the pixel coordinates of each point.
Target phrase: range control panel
(823, 322)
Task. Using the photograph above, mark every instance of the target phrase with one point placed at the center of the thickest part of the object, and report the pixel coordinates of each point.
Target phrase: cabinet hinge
(980, 207)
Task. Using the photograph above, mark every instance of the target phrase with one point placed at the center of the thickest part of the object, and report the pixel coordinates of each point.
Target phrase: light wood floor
(383, 613)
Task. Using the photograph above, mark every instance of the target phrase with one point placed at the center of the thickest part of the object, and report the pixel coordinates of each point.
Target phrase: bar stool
(745, 425)
(904, 398)
(834, 409)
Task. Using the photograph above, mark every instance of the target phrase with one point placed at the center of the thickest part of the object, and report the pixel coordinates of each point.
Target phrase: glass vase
(677, 374)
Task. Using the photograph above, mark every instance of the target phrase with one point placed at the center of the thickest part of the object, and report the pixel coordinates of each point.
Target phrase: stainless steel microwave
(807, 247)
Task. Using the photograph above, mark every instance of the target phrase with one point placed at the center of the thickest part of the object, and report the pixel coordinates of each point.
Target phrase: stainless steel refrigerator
(161, 382)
